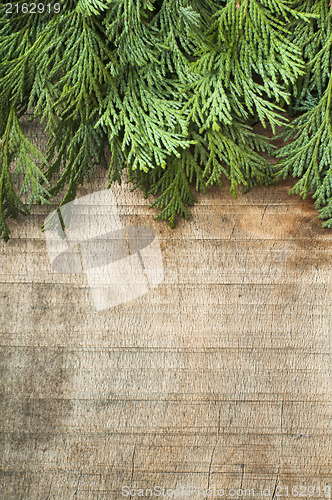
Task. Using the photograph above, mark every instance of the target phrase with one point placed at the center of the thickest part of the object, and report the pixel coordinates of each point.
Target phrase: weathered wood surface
(218, 378)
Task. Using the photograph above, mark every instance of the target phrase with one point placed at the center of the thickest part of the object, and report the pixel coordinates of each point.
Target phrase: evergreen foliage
(308, 155)
(172, 88)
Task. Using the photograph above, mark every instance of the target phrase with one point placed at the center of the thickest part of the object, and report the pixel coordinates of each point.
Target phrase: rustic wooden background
(218, 378)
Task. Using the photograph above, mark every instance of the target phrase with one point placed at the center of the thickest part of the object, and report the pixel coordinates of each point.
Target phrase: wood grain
(218, 378)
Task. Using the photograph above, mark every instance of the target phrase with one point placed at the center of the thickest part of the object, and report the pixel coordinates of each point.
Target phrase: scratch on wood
(219, 423)
(275, 487)
(210, 466)
(77, 485)
(232, 230)
(132, 467)
(242, 475)
(264, 213)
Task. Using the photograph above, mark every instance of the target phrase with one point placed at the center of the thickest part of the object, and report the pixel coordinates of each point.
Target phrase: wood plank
(220, 377)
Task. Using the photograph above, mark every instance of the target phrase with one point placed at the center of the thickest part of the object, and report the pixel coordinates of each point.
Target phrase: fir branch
(308, 152)
(171, 88)
(81, 148)
(14, 144)
(309, 155)
(174, 184)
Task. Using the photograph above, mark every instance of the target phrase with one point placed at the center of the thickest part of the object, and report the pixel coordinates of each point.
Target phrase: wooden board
(219, 378)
